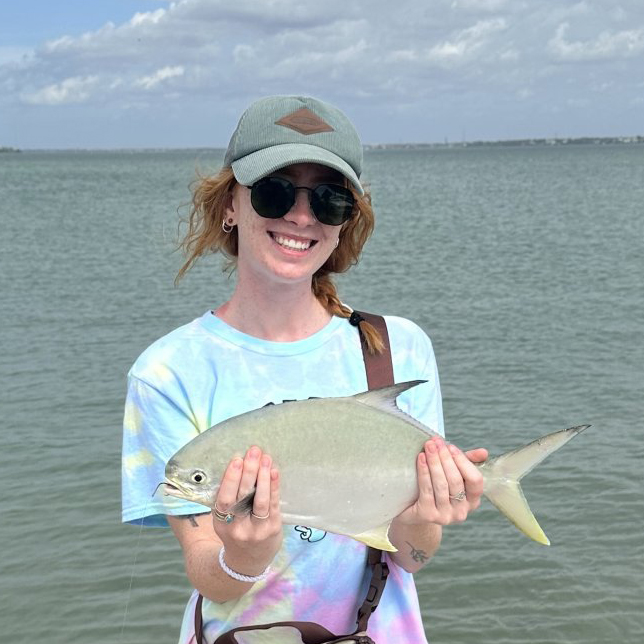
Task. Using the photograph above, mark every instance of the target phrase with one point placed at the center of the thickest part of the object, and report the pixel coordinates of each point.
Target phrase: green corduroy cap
(277, 131)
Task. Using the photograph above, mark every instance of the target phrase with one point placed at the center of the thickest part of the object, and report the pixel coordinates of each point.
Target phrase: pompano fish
(347, 464)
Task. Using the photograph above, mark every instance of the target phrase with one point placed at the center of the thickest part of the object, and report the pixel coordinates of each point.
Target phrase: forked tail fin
(503, 473)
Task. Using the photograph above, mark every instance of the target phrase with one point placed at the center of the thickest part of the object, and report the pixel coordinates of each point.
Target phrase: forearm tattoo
(417, 555)
(192, 519)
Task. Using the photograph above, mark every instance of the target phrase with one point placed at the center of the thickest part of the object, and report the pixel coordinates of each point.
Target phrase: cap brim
(253, 167)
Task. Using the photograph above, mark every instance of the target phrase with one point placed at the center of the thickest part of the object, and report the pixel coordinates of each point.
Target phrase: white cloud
(461, 47)
(14, 54)
(161, 75)
(578, 102)
(603, 86)
(467, 43)
(510, 54)
(375, 55)
(70, 90)
(152, 17)
(607, 46)
(480, 5)
(243, 54)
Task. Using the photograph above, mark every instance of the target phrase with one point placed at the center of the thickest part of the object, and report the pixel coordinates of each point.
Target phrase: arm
(157, 423)
(443, 472)
(200, 546)
(250, 542)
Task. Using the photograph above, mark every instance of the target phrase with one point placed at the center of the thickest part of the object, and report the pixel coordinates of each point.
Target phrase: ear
(229, 210)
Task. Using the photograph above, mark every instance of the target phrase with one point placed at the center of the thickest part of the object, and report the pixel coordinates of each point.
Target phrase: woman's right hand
(251, 541)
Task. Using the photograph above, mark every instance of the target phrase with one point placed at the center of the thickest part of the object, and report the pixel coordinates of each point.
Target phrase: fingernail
(266, 461)
(431, 447)
(422, 458)
(254, 452)
(238, 463)
(453, 450)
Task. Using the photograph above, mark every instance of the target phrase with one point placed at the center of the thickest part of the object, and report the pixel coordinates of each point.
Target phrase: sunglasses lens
(332, 205)
(272, 197)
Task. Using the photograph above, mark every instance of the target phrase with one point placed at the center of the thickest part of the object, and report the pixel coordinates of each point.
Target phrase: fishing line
(136, 554)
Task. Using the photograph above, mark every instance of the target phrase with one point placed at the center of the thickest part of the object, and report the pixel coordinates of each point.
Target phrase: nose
(301, 213)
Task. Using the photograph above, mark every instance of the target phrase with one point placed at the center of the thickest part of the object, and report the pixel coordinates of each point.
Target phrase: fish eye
(198, 476)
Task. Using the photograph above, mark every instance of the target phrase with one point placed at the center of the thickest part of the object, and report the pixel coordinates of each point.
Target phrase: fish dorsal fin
(377, 538)
(385, 397)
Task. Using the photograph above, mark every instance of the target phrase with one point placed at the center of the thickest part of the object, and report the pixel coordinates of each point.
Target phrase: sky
(160, 74)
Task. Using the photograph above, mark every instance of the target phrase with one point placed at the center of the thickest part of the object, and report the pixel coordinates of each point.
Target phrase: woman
(288, 210)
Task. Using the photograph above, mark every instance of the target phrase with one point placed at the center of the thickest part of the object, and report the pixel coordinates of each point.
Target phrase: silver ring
(261, 518)
(225, 517)
(458, 497)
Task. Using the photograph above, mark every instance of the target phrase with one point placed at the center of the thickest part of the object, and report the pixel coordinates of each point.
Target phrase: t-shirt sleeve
(154, 427)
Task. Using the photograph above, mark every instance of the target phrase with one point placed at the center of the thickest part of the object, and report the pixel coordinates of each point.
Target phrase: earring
(227, 226)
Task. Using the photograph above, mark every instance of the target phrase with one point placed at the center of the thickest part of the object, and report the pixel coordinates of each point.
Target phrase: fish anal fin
(377, 538)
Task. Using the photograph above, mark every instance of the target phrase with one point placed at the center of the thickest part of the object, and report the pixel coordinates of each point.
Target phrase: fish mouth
(170, 489)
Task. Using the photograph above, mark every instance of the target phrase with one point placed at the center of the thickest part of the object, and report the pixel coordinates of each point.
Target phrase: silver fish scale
(345, 476)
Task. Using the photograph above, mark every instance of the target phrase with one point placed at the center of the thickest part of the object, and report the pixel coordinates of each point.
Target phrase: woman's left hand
(449, 484)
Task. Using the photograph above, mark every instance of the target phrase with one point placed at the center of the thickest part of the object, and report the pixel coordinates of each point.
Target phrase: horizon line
(627, 138)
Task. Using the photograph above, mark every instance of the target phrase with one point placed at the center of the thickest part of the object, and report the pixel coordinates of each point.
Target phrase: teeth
(287, 242)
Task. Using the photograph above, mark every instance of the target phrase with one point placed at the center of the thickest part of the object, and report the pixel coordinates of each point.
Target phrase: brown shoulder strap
(380, 373)
(380, 370)
(376, 587)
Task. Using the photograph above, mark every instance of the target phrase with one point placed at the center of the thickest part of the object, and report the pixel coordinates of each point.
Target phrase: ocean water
(525, 266)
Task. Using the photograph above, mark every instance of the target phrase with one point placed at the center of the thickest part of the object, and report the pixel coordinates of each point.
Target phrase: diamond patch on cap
(305, 122)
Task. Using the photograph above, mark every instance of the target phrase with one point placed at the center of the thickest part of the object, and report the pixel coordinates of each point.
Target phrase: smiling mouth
(291, 243)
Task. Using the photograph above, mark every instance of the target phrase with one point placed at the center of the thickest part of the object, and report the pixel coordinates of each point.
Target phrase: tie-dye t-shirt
(205, 372)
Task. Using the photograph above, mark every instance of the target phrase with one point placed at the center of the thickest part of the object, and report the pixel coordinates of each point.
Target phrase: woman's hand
(251, 541)
(449, 484)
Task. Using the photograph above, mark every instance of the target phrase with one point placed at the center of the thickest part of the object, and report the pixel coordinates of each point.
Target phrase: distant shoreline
(554, 141)
(534, 142)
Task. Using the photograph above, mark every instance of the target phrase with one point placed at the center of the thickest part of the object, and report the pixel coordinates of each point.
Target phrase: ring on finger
(268, 514)
(225, 517)
(458, 497)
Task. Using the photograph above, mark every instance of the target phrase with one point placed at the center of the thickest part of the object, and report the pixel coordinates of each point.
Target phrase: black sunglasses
(273, 197)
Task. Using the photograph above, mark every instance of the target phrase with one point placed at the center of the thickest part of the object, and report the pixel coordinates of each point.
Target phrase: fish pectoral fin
(377, 538)
(244, 506)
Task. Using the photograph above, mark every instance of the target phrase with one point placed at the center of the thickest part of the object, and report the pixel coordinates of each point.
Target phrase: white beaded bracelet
(238, 576)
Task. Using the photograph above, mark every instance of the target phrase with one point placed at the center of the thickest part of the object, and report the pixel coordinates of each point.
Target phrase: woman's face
(289, 249)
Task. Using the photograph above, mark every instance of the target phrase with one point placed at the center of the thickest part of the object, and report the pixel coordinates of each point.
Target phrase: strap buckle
(376, 587)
